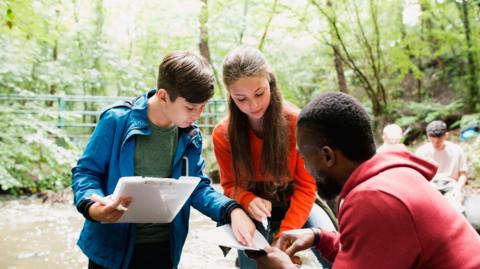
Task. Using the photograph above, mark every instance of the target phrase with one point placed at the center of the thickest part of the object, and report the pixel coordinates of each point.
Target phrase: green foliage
(103, 48)
(34, 156)
(114, 48)
(406, 121)
(409, 113)
(469, 118)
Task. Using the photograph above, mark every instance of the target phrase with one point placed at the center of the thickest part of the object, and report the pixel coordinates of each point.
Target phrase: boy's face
(183, 113)
(438, 143)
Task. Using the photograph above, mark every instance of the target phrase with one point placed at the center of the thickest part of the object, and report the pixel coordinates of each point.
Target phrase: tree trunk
(337, 59)
(53, 86)
(98, 36)
(473, 92)
(267, 26)
(342, 82)
(203, 43)
(375, 92)
(203, 19)
(79, 41)
(244, 25)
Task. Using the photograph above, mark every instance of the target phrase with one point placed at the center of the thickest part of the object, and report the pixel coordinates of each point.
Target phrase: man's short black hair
(340, 122)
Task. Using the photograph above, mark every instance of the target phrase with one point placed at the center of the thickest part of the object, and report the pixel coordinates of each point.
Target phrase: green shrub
(34, 154)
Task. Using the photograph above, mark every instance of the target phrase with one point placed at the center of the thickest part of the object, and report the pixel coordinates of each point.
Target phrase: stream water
(34, 234)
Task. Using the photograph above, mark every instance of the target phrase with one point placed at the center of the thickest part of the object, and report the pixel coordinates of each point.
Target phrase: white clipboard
(154, 200)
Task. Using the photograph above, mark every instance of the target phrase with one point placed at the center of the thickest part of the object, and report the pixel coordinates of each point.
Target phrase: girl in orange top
(255, 147)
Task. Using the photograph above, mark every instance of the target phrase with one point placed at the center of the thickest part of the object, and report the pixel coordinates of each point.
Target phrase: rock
(472, 210)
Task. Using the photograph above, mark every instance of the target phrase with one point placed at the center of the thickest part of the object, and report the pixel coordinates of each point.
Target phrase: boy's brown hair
(187, 75)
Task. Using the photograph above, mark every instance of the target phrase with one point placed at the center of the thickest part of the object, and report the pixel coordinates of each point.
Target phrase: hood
(394, 158)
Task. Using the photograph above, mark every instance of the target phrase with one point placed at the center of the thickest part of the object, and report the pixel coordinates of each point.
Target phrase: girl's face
(251, 95)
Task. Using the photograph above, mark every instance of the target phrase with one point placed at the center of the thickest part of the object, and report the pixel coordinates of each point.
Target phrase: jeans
(318, 218)
(450, 189)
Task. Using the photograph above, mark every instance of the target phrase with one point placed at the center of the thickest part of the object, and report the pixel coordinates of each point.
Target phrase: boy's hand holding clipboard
(143, 200)
(154, 200)
(108, 210)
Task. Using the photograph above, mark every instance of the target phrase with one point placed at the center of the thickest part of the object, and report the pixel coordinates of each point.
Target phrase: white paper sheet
(223, 236)
(154, 200)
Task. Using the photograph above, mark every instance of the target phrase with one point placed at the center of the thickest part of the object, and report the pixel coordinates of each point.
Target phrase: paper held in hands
(154, 200)
(223, 236)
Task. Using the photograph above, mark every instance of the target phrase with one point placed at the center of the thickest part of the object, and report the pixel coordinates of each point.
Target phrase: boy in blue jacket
(150, 136)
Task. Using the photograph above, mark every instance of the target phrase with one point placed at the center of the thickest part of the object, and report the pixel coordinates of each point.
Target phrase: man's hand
(275, 259)
(462, 180)
(259, 209)
(293, 241)
(109, 213)
(242, 226)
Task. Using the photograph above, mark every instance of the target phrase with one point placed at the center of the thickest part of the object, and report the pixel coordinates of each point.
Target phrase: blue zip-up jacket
(109, 155)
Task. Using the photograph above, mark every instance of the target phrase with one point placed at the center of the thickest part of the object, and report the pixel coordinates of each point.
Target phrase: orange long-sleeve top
(303, 197)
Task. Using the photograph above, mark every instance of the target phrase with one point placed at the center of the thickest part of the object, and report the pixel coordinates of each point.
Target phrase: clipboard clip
(185, 165)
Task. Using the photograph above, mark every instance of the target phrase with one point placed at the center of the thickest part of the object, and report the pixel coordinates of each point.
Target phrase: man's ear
(162, 95)
(328, 156)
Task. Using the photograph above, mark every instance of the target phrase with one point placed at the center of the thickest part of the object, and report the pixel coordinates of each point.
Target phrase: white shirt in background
(450, 160)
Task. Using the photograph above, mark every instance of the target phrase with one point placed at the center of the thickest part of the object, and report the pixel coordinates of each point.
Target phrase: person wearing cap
(392, 137)
(450, 158)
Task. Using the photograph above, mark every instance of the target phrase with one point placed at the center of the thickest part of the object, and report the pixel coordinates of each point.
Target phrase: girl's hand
(259, 209)
(109, 213)
(243, 227)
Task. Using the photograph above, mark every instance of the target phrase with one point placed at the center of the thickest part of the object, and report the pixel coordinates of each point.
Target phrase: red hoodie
(390, 217)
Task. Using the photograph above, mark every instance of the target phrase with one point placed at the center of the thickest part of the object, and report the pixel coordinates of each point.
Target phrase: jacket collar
(138, 123)
(139, 118)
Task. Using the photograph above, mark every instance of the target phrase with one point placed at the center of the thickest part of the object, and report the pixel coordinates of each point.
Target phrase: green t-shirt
(153, 158)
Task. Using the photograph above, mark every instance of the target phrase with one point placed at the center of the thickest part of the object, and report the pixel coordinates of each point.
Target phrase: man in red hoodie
(389, 216)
